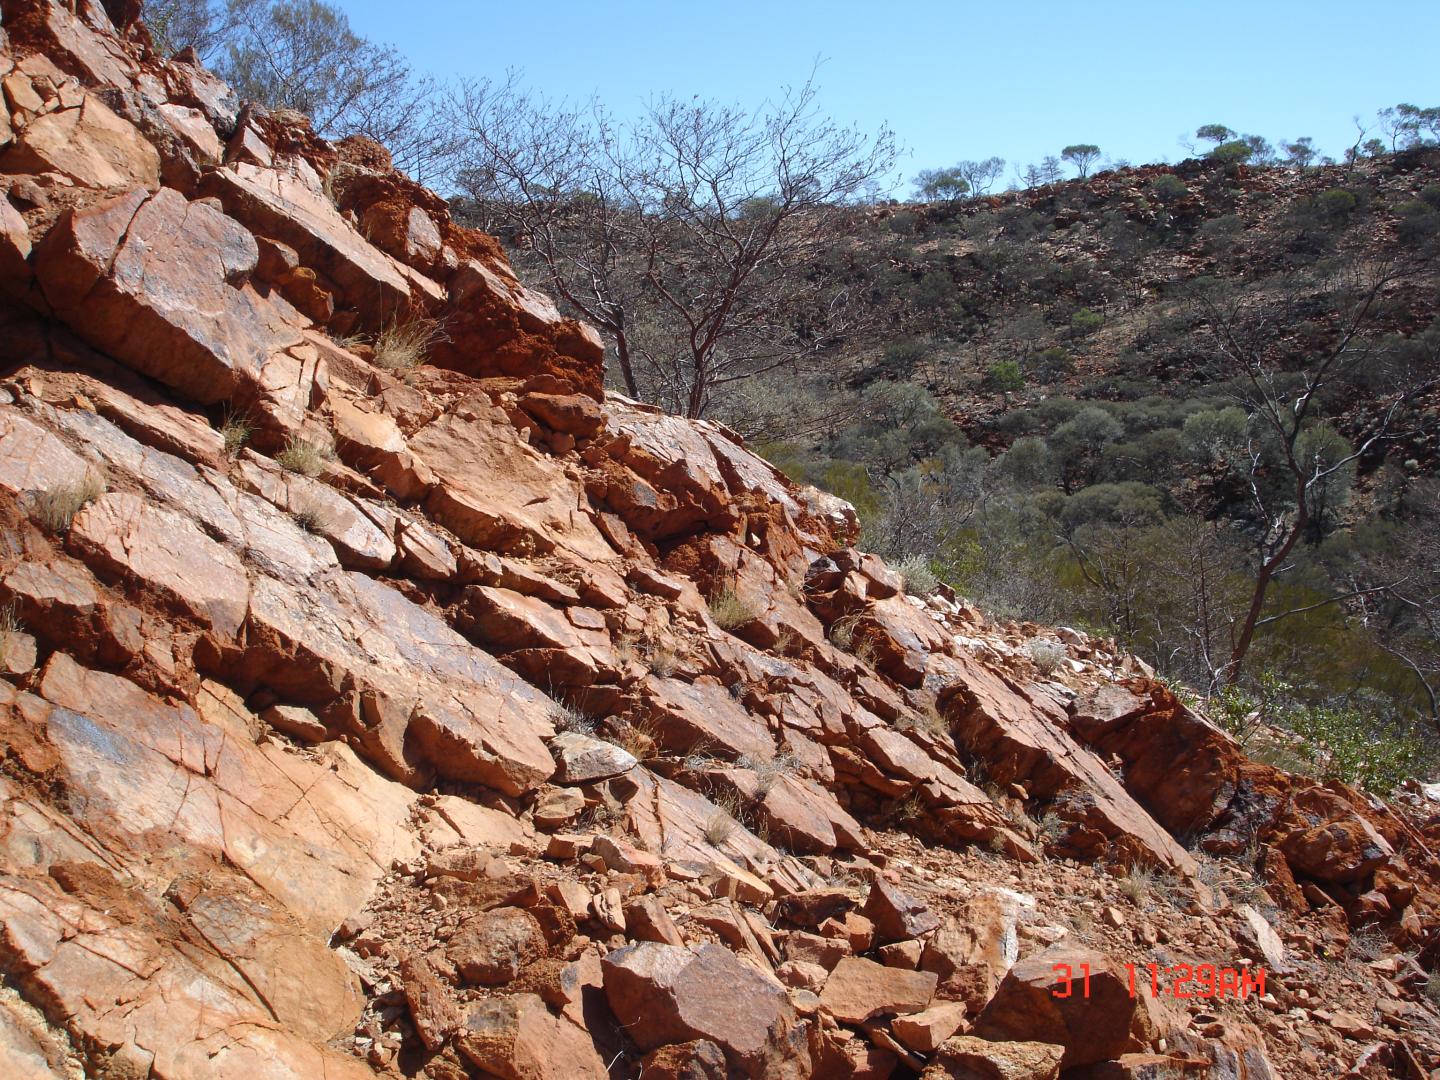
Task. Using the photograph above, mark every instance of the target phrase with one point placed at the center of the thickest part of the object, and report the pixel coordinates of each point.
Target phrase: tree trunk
(627, 372)
(1257, 598)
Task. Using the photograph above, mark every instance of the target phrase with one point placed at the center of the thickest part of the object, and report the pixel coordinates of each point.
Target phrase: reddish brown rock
(433, 1008)
(1339, 851)
(859, 989)
(518, 1038)
(89, 144)
(967, 1058)
(159, 283)
(972, 951)
(664, 994)
(489, 949)
(896, 915)
(700, 1059)
(1104, 1023)
(924, 1031)
(647, 920)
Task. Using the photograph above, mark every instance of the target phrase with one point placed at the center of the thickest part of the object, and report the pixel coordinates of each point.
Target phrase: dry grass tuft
(310, 516)
(1046, 655)
(10, 625)
(308, 457)
(662, 660)
(768, 771)
(56, 509)
(924, 718)
(729, 611)
(639, 738)
(405, 346)
(721, 825)
(236, 430)
(842, 631)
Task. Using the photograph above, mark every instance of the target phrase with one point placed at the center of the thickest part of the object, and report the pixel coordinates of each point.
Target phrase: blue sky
(961, 80)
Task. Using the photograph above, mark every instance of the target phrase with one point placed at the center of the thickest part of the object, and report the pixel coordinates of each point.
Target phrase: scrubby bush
(919, 578)
(1335, 204)
(1168, 188)
(1004, 377)
(1085, 322)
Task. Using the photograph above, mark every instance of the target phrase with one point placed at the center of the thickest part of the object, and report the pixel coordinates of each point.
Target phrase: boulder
(859, 989)
(924, 1031)
(491, 948)
(89, 144)
(1103, 1023)
(699, 1059)
(289, 205)
(1342, 852)
(433, 1008)
(965, 1057)
(896, 915)
(580, 759)
(518, 1038)
(665, 994)
(972, 951)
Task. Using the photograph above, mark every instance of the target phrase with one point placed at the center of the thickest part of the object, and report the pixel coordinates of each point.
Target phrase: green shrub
(1085, 322)
(1335, 204)
(919, 579)
(1004, 377)
(1168, 188)
(1049, 364)
(1337, 742)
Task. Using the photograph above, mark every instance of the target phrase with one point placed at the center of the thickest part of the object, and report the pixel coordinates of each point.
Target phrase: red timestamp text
(1167, 980)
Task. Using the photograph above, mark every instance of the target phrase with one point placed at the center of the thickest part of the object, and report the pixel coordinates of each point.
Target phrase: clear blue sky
(961, 80)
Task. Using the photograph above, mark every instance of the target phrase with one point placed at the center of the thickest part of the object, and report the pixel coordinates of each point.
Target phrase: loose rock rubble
(360, 721)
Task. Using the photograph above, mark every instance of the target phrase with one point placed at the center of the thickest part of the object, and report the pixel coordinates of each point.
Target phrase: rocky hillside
(460, 719)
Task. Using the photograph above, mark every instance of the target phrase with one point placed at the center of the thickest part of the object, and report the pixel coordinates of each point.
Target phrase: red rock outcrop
(356, 724)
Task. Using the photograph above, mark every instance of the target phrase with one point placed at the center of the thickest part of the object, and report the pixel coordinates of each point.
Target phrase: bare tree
(689, 236)
(303, 55)
(1287, 469)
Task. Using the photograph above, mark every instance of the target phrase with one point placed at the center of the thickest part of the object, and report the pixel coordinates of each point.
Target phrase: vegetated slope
(375, 704)
(1111, 344)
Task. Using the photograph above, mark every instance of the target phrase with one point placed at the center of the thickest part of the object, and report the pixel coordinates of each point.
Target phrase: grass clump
(729, 610)
(721, 825)
(56, 509)
(919, 579)
(235, 430)
(404, 346)
(924, 718)
(10, 626)
(1047, 656)
(308, 457)
(768, 771)
(567, 717)
(309, 515)
(638, 738)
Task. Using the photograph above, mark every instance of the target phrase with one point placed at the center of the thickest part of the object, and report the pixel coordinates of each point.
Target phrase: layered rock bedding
(465, 719)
